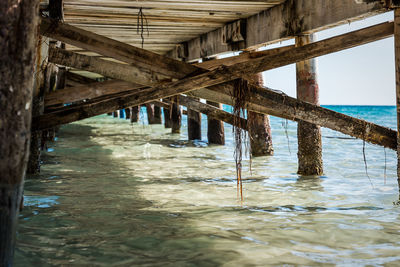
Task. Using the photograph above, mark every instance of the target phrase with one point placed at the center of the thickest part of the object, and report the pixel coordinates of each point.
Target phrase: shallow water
(115, 194)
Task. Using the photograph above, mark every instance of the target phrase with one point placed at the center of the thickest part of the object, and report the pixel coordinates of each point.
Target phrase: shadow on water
(309, 183)
(81, 210)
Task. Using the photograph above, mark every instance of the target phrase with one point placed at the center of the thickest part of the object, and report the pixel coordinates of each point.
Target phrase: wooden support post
(135, 114)
(397, 62)
(259, 130)
(115, 114)
(309, 135)
(194, 124)
(215, 128)
(176, 115)
(18, 24)
(38, 103)
(127, 113)
(150, 113)
(211, 111)
(167, 118)
(157, 115)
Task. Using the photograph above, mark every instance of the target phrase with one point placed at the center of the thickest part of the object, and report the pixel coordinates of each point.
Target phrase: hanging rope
(240, 99)
(142, 25)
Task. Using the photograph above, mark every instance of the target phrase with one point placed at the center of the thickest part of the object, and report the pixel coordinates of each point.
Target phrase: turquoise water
(115, 194)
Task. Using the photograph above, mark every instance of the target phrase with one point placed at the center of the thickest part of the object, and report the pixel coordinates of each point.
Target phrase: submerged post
(309, 135)
(397, 62)
(135, 114)
(215, 128)
(167, 118)
(157, 115)
(194, 124)
(18, 24)
(150, 113)
(176, 115)
(127, 113)
(259, 130)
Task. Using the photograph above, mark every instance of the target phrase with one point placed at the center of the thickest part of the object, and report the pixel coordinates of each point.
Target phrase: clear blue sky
(363, 75)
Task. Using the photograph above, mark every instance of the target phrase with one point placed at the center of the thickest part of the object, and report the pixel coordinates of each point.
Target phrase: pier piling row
(162, 71)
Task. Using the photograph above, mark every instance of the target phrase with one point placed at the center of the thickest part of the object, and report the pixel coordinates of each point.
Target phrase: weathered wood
(33, 166)
(263, 63)
(283, 22)
(127, 113)
(135, 114)
(280, 105)
(106, 68)
(243, 57)
(211, 111)
(193, 123)
(88, 91)
(315, 49)
(73, 79)
(18, 39)
(150, 113)
(215, 128)
(56, 9)
(259, 130)
(111, 48)
(397, 66)
(157, 114)
(167, 116)
(224, 74)
(176, 115)
(308, 135)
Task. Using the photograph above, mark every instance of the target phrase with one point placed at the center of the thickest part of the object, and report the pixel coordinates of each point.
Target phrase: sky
(364, 75)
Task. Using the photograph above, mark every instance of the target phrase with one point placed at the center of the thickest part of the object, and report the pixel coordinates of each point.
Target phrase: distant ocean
(112, 193)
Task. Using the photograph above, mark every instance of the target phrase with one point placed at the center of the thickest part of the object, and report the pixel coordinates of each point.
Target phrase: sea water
(112, 193)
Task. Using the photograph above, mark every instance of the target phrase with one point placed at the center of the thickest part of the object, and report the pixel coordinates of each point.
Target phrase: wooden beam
(88, 91)
(397, 66)
(270, 61)
(243, 57)
(281, 105)
(210, 111)
(106, 68)
(224, 74)
(262, 101)
(111, 48)
(283, 22)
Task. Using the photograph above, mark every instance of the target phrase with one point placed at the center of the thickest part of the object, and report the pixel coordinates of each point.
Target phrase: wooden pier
(66, 60)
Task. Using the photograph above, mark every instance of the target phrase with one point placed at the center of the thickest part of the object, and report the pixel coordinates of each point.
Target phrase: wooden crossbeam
(280, 105)
(112, 48)
(242, 66)
(88, 91)
(176, 69)
(106, 68)
(224, 74)
(211, 111)
(282, 22)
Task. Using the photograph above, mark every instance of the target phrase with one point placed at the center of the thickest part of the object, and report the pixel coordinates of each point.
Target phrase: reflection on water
(115, 194)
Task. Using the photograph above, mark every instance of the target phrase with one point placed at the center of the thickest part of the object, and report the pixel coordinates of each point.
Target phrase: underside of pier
(83, 58)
